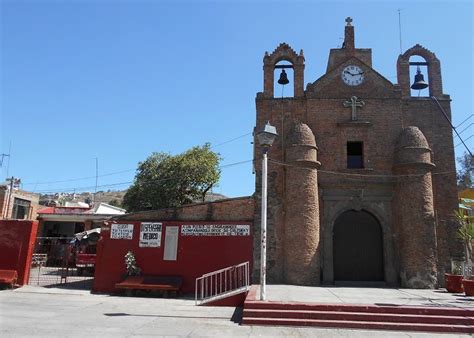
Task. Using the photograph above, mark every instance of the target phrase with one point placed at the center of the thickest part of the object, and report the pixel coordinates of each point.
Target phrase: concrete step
(357, 316)
(359, 324)
(394, 309)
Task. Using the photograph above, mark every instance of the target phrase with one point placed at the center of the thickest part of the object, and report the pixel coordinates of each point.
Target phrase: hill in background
(109, 197)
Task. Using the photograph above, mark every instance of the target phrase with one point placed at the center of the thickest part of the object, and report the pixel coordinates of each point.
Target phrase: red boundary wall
(196, 255)
(17, 241)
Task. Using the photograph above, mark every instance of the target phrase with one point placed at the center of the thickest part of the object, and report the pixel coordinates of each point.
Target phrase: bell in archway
(283, 80)
(419, 81)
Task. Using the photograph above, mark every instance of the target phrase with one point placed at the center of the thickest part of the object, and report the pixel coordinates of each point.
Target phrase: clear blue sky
(118, 80)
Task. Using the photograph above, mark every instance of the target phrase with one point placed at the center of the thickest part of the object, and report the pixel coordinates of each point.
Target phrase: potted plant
(453, 280)
(131, 265)
(466, 234)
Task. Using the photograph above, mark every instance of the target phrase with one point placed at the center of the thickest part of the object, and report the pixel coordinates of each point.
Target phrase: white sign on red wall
(121, 231)
(150, 235)
(170, 251)
(215, 230)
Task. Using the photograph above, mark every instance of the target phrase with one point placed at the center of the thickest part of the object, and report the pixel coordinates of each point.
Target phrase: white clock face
(352, 75)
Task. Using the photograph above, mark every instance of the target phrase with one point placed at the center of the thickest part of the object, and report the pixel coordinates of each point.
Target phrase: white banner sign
(150, 235)
(171, 243)
(121, 231)
(216, 230)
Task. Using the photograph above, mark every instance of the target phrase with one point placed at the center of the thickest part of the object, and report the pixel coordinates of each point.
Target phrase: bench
(8, 277)
(151, 283)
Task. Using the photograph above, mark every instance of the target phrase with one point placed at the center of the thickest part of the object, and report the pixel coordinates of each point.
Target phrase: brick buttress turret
(415, 222)
(302, 252)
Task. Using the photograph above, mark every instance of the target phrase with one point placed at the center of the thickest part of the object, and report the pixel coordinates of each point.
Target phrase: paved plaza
(54, 312)
(378, 296)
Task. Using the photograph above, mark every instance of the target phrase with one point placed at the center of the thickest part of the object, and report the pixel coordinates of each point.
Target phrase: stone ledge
(355, 124)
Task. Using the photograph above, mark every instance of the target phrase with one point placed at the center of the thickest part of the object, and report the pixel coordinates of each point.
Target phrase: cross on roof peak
(348, 21)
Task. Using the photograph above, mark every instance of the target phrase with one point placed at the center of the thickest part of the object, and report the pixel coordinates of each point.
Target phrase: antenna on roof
(400, 29)
(6, 155)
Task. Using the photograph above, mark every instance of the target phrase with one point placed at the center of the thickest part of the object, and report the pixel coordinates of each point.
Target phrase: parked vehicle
(85, 244)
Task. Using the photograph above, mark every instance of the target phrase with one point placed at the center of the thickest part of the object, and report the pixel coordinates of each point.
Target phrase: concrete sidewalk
(40, 312)
(379, 296)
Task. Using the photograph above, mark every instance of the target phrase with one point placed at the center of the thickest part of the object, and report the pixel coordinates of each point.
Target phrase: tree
(464, 174)
(466, 234)
(164, 181)
(115, 202)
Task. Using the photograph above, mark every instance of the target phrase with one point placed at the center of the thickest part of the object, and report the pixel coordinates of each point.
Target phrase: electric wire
(349, 175)
(59, 190)
(466, 128)
(460, 124)
(231, 140)
(122, 171)
(457, 145)
(81, 178)
(450, 123)
(360, 175)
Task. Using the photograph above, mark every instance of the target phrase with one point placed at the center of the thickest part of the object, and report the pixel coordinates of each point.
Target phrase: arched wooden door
(358, 247)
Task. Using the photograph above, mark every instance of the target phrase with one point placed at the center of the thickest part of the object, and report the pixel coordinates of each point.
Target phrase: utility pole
(2, 158)
(13, 181)
(96, 177)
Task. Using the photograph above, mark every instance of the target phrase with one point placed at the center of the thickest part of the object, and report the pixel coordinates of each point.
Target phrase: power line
(231, 140)
(81, 178)
(119, 172)
(460, 124)
(130, 182)
(360, 175)
(449, 121)
(462, 131)
(457, 145)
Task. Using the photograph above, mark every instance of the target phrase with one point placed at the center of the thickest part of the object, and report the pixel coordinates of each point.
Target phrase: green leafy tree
(464, 174)
(164, 181)
(465, 233)
(115, 202)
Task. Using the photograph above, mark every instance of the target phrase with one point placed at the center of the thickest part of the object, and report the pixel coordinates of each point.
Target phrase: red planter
(468, 286)
(453, 283)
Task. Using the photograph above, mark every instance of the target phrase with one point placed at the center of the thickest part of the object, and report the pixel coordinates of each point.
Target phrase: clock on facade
(352, 75)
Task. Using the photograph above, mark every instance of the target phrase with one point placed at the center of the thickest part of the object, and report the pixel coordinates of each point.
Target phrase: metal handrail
(222, 283)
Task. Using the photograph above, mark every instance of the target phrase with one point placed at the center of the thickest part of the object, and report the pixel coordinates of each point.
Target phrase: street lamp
(265, 138)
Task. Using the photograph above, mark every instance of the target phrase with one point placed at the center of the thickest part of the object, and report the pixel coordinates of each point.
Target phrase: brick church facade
(361, 183)
(361, 180)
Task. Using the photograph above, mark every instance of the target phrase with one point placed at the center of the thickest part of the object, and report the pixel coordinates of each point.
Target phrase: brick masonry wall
(425, 114)
(234, 209)
(385, 113)
(7, 208)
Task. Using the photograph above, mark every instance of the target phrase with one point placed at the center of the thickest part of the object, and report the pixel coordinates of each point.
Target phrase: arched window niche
(282, 57)
(432, 75)
(419, 76)
(283, 70)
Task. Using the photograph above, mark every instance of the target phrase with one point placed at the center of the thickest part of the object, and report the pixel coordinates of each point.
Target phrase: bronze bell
(283, 80)
(419, 81)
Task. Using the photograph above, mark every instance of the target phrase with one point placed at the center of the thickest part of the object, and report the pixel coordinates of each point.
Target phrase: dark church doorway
(358, 248)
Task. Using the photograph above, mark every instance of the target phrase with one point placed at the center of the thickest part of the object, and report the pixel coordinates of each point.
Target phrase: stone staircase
(378, 317)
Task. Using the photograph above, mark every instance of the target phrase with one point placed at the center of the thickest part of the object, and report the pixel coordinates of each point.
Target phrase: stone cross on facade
(348, 21)
(353, 103)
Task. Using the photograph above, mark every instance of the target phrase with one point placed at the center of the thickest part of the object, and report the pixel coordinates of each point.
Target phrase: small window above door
(355, 155)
